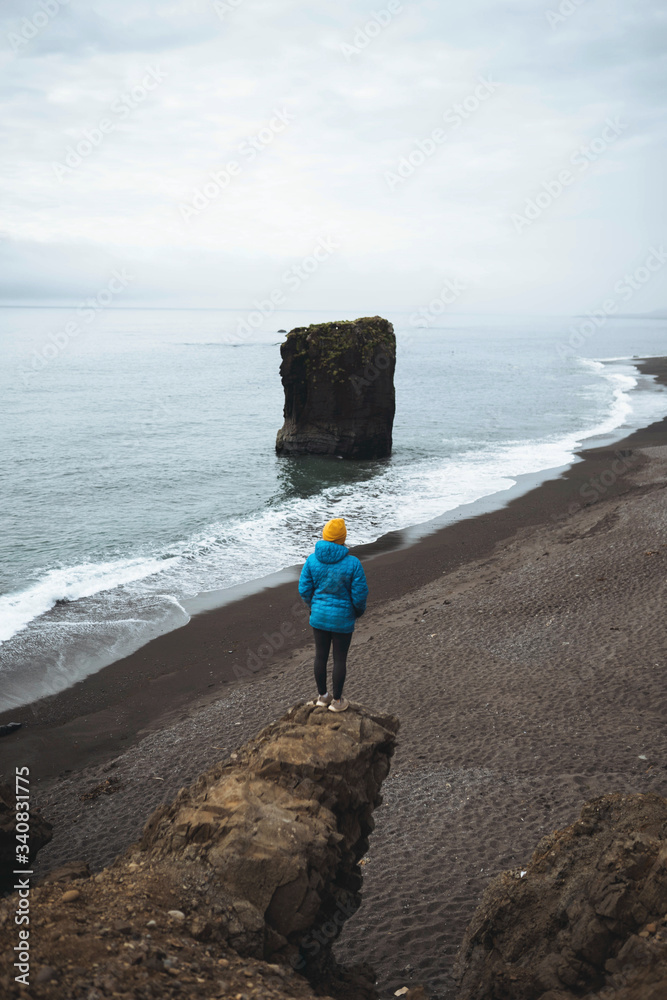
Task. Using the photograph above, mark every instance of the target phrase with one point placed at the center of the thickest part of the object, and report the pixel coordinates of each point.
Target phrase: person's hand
(358, 614)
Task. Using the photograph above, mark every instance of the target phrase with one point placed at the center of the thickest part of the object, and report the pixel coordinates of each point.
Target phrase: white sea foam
(227, 553)
(621, 405)
(70, 583)
(50, 656)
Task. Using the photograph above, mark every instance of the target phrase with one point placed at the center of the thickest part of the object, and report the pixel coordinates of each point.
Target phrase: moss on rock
(324, 345)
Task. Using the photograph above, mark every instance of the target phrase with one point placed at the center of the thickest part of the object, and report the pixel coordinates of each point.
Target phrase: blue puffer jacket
(333, 584)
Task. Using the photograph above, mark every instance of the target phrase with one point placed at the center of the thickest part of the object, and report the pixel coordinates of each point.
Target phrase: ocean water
(138, 465)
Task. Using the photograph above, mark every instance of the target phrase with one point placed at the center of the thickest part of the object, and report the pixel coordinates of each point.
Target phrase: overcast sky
(318, 121)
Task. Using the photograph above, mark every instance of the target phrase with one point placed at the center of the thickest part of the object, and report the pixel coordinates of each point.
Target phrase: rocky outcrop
(245, 879)
(281, 830)
(587, 918)
(40, 834)
(339, 389)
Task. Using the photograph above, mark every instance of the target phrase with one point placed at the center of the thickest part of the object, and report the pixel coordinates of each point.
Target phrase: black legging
(341, 644)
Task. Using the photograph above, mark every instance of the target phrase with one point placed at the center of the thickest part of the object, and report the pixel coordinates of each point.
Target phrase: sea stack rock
(339, 389)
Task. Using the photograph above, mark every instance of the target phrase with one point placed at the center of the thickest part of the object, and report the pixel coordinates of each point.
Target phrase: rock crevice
(257, 861)
(282, 829)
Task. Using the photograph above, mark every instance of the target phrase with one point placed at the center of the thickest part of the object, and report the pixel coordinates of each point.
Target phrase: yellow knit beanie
(335, 530)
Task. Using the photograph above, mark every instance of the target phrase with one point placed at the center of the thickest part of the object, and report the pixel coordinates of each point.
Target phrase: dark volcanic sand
(523, 652)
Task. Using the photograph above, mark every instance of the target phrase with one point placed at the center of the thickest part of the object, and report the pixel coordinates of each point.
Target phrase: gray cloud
(355, 117)
(80, 32)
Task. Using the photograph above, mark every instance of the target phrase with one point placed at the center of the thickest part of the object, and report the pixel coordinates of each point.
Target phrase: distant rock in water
(586, 918)
(339, 389)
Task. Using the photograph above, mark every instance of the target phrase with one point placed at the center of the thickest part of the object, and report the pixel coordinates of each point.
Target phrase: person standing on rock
(333, 585)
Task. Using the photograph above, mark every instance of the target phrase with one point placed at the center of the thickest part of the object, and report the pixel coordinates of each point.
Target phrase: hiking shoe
(324, 700)
(339, 706)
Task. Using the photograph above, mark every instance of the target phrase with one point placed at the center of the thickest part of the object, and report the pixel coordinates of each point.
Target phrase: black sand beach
(523, 651)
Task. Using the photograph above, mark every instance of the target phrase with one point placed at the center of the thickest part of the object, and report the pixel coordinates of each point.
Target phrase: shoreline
(99, 657)
(527, 673)
(79, 656)
(189, 667)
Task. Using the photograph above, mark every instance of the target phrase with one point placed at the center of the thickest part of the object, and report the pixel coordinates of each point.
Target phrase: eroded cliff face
(339, 389)
(241, 885)
(586, 919)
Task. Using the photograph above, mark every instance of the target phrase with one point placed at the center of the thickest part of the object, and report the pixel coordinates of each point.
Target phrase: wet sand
(523, 650)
